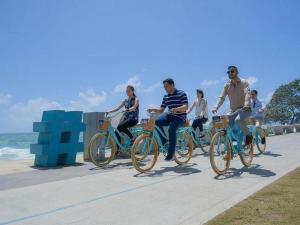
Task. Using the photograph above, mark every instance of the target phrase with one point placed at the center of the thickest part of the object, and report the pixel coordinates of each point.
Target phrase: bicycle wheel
(260, 134)
(220, 153)
(184, 149)
(144, 153)
(102, 149)
(247, 155)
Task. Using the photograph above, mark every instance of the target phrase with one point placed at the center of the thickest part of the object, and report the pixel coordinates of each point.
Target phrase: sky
(80, 55)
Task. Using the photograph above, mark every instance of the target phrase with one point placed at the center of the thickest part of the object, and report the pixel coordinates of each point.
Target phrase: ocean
(16, 146)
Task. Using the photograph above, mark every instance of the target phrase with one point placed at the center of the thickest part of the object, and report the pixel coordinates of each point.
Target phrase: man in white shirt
(257, 113)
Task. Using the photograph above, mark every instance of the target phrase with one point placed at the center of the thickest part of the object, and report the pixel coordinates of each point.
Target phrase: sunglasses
(230, 71)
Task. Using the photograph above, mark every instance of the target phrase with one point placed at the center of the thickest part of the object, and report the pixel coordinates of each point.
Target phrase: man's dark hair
(233, 67)
(169, 81)
(254, 91)
(200, 92)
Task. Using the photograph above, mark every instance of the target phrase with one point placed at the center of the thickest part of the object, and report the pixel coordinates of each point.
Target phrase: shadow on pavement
(113, 165)
(182, 170)
(57, 167)
(253, 170)
(269, 153)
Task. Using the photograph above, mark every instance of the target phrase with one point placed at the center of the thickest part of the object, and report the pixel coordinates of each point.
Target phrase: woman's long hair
(132, 89)
(199, 91)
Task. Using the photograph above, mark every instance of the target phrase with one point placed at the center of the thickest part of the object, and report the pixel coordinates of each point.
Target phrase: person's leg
(259, 129)
(232, 119)
(120, 128)
(195, 125)
(127, 124)
(176, 122)
(160, 122)
(241, 121)
(201, 122)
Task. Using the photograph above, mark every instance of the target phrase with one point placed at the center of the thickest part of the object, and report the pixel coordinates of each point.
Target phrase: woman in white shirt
(201, 112)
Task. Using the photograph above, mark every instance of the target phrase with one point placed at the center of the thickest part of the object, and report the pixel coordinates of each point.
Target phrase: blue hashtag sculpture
(58, 140)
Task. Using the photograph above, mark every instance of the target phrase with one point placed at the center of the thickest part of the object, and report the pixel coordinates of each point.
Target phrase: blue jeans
(174, 122)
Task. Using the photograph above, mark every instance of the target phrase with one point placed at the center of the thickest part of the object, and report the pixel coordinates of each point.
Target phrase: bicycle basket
(148, 125)
(219, 122)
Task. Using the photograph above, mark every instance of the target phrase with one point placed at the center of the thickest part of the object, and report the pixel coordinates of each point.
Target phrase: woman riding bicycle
(131, 115)
(201, 111)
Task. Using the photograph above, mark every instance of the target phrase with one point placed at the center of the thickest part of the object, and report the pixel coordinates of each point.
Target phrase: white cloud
(269, 97)
(209, 82)
(23, 114)
(89, 100)
(134, 81)
(18, 117)
(151, 88)
(251, 80)
(5, 98)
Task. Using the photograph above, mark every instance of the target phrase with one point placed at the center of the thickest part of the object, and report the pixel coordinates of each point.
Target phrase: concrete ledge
(278, 130)
(288, 129)
(297, 127)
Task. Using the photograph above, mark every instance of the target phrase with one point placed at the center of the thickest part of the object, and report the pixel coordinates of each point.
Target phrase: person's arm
(161, 109)
(136, 104)
(185, 105)
(191, 108)
(221, 99)
(180, 109)
(118, 108)
(247, 96)
(259, 107)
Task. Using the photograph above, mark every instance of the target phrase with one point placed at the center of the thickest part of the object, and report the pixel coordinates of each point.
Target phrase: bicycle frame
(155, 134)
(111, 132)
(234, 133)
(196, 140)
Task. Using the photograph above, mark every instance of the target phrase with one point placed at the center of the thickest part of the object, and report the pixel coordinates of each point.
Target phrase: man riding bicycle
(177, 102)
(257, 113)
(238, 92)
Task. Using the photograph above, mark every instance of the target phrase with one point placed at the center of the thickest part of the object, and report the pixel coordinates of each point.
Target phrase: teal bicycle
(258, 134)
(201, 142)
(226, 144)
(148, 145)
(103, 145)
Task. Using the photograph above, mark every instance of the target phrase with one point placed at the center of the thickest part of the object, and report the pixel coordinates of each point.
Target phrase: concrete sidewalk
(118, 195)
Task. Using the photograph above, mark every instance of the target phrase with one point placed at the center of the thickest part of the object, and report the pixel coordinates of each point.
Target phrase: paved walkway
(188, 195)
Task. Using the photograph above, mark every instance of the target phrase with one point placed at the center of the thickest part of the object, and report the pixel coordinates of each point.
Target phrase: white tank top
(201, 108)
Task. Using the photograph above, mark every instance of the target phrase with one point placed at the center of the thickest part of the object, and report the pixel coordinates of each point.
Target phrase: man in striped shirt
(177, 103)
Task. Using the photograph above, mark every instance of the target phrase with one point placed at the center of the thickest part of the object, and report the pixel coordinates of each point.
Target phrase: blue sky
(79, 55)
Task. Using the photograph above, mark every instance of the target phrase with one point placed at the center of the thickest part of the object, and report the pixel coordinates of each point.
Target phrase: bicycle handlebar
(116, 114)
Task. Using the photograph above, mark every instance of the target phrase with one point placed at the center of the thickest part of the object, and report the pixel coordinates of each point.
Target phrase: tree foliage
(285, 103)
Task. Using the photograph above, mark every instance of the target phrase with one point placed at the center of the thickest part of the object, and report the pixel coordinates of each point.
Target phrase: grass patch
(278, 203)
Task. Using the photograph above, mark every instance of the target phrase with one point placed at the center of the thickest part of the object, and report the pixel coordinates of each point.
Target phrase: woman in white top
(201, 111)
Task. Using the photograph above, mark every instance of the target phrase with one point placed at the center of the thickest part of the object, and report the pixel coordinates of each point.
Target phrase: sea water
(16, 146)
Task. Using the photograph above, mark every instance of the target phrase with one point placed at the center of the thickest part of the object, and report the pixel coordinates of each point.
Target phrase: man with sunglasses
(238, 92)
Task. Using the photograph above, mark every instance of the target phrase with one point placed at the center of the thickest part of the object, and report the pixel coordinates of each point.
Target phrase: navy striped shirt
(177, 99)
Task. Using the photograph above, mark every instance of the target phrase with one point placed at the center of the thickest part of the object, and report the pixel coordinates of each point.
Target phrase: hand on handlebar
(174, 111)
(246, 108)
(152, 110)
